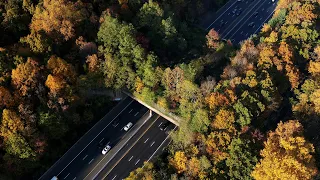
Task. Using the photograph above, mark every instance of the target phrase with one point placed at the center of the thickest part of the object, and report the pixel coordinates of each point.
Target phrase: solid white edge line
(160, 145)
(248, 11)
(221, 14)
(93, 138)
(118, 149)
(263, 22)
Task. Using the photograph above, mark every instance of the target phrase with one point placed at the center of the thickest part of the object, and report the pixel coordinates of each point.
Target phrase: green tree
(243, 158)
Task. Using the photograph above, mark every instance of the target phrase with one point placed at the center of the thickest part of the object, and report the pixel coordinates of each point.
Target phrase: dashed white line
(246, 34)
(66, 176)
(130, 158)
(91, 161)
(221, 14)
(74, 178)
(137, 162)
(262, 9)
(91, 140)
(152, 144)
(160, 124)
(241, 32)
(146, 140)
(260, 19)
(136, 114)
(101, 140)
(85, 157)
(114, 177)
(130, 110)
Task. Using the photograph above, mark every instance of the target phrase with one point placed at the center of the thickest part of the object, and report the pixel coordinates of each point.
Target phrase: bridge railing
(157, 109)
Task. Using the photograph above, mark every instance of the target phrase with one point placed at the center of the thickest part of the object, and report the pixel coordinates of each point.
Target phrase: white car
(128, 126)
(106, 149)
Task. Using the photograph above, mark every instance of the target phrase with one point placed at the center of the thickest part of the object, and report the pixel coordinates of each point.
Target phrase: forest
(249, 112)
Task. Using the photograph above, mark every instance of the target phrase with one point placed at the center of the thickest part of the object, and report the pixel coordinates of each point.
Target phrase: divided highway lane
(68, 157)
(264, 13)
(111, 134)
(143, 149)
(232, 22)
(229, 17)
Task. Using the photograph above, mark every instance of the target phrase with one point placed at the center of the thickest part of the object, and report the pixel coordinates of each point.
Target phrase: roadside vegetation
(248, 113)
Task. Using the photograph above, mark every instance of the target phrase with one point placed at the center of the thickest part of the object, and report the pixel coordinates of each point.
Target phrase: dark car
(239, 12)
(234, 11)
(255, 13)
(251, 24)
(222, 23)
(116, 122)
(164, 126)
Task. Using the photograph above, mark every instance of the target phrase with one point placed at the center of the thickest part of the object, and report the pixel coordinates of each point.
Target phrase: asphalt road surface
(86, 152)
(140, 149)
(238, 20)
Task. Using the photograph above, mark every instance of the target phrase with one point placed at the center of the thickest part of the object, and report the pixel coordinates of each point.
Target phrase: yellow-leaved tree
(286, 155)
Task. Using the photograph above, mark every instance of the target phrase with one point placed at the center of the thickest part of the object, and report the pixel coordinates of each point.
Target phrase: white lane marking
(241, 32)
(146, 140)
(221, 14)
(152, 144)
(260, 18)
(136, 114)
(108, 142)
(225, 35)
(114, 177)
(101, 140)
(264, 22)
(119, 148)
(165, 128)
(160, 124)
(246, 34)
(85, 157)
(91, 161)
(74, 178)
(66, 176)
(130, 158)
(137, 162)
(268, 10)
(262, 9)
(92, 139)
(130, 110)
(160, 145)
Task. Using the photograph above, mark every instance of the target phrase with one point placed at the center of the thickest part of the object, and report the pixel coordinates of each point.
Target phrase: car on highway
(106, 149)
(115, 122)
(128, 126)
(255, 13)
(251, 24)
(234, 11)
(239, 12)
(164, 126)
(222, 23)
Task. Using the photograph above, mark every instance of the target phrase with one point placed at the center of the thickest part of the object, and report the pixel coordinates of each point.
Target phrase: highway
(239, 19)
(142, 149)
(85, 153)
